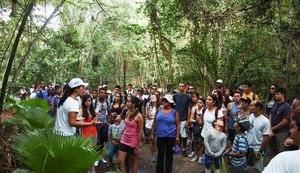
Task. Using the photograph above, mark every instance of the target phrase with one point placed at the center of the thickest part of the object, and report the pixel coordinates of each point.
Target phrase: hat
(104, 86)
(75, 82)
(169, 97)
(108, 91)
(219, 81)
(247, 100)
(244, 123)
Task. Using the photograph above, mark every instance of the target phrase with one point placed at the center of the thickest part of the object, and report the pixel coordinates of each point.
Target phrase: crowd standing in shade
(234, 124)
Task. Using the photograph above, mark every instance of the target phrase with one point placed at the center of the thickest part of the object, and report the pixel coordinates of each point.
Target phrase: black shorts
(231, 135)
(125, 148)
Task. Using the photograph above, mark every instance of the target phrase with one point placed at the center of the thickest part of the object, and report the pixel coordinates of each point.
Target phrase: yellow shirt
(250, 96)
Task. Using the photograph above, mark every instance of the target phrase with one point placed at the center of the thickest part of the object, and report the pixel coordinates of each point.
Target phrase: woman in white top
(151, 109)
(210, 113)
(68, 109)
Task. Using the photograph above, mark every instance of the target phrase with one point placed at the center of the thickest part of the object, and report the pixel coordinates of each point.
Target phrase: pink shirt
(130, 134)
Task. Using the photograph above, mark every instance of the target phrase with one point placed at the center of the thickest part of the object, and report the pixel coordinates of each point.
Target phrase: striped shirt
(240, 145)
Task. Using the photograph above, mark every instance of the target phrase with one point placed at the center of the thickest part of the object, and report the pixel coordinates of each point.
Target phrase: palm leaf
(22, 171)
(45, 152)
(37, 103)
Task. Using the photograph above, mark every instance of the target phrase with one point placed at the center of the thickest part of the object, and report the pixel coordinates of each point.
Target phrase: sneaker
(200, 160)
(194, 159)
(192, 154)
(103, 160)
(96, 163)
(184, 154)
(153, 158)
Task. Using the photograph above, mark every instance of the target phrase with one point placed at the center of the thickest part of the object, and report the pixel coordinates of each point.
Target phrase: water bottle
(176, 150)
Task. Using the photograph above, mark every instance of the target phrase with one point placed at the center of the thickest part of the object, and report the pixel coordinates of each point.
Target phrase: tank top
(130, 134)
(166, 124)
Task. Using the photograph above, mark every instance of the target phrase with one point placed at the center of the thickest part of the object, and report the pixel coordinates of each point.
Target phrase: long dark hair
(85, 109)
(115, 100)
(137, 105)
(215, 99)
(67, 92)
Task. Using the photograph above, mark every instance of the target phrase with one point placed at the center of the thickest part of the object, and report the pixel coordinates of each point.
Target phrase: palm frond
(45, 152)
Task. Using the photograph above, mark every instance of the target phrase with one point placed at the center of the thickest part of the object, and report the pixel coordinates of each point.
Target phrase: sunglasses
(272, 88)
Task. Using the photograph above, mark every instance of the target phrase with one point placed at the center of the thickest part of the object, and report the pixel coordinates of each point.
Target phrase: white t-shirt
(285, 162)
(259, 126)
(208, 118)
(62, 119)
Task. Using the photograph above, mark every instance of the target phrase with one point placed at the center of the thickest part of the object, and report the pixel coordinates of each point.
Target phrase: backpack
(253, 96)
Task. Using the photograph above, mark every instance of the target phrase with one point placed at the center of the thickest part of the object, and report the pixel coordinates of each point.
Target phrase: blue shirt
(232, 115)
(182, 105)
(166, 124)
(240, 145)
(42, 94)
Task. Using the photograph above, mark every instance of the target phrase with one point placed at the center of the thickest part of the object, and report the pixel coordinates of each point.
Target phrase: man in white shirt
(287, 162)
(258, 134)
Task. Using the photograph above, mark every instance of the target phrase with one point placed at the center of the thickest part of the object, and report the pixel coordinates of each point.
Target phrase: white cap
(219, 81)
(104, 86)
(108, 91)
(169, 97)
(75, 82)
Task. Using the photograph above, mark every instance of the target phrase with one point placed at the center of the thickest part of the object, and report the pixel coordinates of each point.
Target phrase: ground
(180, 164)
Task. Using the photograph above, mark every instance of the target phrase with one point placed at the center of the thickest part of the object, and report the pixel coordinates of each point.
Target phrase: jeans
(165, 154)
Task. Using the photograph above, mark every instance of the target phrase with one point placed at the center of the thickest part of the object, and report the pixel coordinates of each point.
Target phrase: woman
(270, 99)
(151, 109)
(245, 111)
(68, 109)
(87, 114)
(116, 107)
(132, 135)
(197, 120)
(210, 113)
(193, 106)
(166, 128)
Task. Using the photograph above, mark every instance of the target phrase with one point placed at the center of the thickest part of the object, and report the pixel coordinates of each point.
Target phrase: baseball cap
(219, 81)
(244, 123)
(247, 100)
(169, 97)
(75, 82)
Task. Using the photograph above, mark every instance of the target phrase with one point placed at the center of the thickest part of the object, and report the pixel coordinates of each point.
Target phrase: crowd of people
(236, 124)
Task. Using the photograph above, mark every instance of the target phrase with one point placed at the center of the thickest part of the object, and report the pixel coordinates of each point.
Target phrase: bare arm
(177, 125)
(264, 143)
(74, 123)
(283, 123)
(140, 125)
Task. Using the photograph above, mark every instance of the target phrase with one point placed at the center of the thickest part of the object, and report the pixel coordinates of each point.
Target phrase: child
(240, 146)
(114, 138)
(215, 145)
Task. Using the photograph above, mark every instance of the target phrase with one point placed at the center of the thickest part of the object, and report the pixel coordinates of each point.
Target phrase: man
(183, 101)
(220, 87)
(287, 161)
(280, 118)
(117, 89)
(129, 89)
(247, 91)
(42, 91)
(191, 90)
(53, 101)
(103, 112)
(258, 134)
(169, 90)
(232, 112)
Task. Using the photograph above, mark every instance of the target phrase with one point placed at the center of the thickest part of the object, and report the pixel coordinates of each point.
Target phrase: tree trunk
(12, 56)
(14, 8)
(161, 40)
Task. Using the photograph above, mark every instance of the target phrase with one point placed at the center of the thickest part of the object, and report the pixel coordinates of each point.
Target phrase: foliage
(43, 151)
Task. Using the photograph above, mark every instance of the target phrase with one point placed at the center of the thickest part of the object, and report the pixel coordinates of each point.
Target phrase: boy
(114, 137)
(215, 145)
(240, 146)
